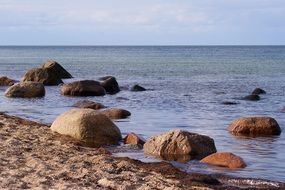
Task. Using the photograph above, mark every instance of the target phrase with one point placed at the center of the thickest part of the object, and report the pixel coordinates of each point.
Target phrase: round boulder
(89, 104)
(258, 91)
(26, 90)
(5, 81)
(252, 97)
(116, 113)
(90, 127)
(83, 88)
(224, 159)
(137, 88)
(57, 68)
(178, 143)
(255, 126)
(111, 85)
(43, 75)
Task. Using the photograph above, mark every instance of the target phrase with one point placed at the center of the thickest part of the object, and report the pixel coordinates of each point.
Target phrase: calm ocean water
(188, 84)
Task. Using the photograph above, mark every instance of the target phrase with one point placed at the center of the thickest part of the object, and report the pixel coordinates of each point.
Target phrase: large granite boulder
(89, 104)
(116, 113)
(180, 145)
(5, 81)
(258, 91)
(111, 85)
(26, 90)
(83, 88)
(47, 76)
(57, 68)
(88, 126)
(224, 159)
(255, 126)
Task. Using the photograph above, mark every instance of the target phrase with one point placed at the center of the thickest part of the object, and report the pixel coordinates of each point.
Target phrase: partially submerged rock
(225, 159)
(88, 126)
(111, 85)
(46, 76)
(178, 144)
(137, 88)
(255, 126)
(5, 81)
(83, 88)
(258, 91)
(57, 68)
(116, 113)
(26, 90)
(134, 139)
(230, 103)
(89, 104)
(252, 97)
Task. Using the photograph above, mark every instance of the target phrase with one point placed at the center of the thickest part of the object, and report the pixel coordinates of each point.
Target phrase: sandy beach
(33, 157)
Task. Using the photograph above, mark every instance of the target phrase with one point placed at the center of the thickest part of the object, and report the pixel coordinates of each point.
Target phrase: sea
(186, 86)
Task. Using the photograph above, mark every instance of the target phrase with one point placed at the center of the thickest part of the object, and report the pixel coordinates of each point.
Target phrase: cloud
(167, 19)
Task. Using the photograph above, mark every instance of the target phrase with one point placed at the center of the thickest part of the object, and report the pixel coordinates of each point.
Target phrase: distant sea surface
(187, 85)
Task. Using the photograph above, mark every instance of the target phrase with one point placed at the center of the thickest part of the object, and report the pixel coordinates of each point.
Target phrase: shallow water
(187, 85)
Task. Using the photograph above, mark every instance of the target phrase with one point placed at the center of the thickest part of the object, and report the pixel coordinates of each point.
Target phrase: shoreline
(32, 156)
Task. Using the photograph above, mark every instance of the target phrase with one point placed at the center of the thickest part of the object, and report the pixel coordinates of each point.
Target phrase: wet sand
(33, 157)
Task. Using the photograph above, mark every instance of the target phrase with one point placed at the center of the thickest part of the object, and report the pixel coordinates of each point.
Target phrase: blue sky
(142, 22)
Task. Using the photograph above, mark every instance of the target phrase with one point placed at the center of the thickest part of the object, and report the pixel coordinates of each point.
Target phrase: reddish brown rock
(83, 88)
(224, 159)
(255, 126)
(116, 113)
(89, 104)
(134, 139)
(176, 144)
(5, 81)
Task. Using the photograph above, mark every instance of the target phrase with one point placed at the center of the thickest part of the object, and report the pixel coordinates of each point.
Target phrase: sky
(142, 22)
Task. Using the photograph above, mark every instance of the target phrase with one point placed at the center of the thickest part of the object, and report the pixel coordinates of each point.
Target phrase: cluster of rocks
(91, 122)
(51, 73)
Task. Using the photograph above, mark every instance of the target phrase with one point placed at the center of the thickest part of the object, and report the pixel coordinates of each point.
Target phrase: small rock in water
(89, 104)
(5, 81)
(83, 88)
(122, 98)
(229, 103)
(180, 145)
(111, 85)
(116, 113)
(26, 90)
(224, 159)
(57, 68)
(283, 110)
(258, 91)
(252, 97)
(255, 126)
(134, 139)
(137, 88)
